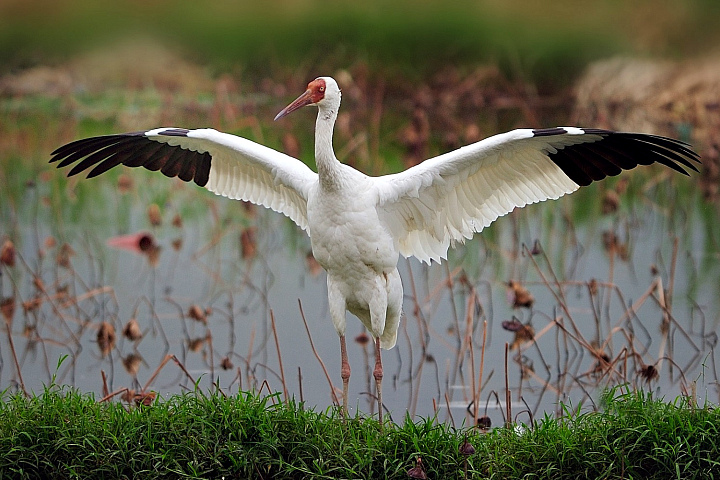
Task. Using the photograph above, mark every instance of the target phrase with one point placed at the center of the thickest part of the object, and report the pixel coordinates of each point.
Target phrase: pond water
(629, 297)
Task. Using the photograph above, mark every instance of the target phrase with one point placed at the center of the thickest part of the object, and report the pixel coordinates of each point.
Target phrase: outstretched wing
(450, 197)
(225, 164)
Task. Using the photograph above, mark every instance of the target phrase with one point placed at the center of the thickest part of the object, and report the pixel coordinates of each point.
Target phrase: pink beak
(301, 101)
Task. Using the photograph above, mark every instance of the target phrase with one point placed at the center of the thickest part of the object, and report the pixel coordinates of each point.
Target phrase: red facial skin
(314, 93)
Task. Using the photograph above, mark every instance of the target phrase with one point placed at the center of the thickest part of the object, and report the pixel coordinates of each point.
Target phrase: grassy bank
(63, 434)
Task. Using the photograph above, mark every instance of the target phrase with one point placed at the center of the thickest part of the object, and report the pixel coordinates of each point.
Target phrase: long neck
(329, 168)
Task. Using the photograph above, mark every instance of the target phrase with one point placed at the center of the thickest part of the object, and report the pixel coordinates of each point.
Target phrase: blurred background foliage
(418, 76)
(541, 41)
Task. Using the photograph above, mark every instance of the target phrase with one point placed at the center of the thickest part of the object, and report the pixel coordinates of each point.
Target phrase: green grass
(64, 434)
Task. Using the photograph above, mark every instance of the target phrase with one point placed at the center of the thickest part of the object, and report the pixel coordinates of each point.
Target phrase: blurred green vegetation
(545, 42)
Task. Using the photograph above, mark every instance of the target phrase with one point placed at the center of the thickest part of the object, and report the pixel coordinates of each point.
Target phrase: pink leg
(378, 374)
(345, 373)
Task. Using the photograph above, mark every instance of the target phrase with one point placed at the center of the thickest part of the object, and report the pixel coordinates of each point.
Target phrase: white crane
(359, 224)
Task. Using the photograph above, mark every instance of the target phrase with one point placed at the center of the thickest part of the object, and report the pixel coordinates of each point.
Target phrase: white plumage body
(359, 254)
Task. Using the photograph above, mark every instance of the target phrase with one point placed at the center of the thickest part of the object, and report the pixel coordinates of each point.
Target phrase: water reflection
(551, 303)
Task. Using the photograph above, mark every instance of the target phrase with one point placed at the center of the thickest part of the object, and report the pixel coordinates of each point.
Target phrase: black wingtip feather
(135, 149)
(595, 159)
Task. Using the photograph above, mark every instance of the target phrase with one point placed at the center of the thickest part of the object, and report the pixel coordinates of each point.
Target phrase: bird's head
(320, 92)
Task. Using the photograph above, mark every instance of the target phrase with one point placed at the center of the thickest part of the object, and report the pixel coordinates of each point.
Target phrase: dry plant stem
(160, 367)
(113, 394)
(312, 345)
(468, 338)
(542, 332)
(238, 376)
(459, 339)
(545, 384)
(182, 367)
(248, 371)
(37, 302)
(366, 364)
(15, 358)
(216, 238)
(156, 324)
(675, 364)
(476, 398)
(671, 280)
(277, 346)
(560, 297)
(631, 310)
(549, 266)
(266, 385)
(216, 384)
(674, 322)
(416, 306)
(449, 283)
(507, 387)
(211, 355)
(105, 390)
(53, 306)
(416, 388)
(84, 296)
(302, 399)
(665, 321)
(447, 402)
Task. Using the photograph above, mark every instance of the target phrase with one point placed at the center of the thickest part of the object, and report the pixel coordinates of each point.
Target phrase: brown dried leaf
(128, 395)
(484, 422)
(7, 307)
(145, 399)
(418, 471)
(610, 202)
(132, 363)
(226, 363)
(649, 373)
(593, 286)
(64, 254)
(195, 344)
(523, 336)
(466, 449)
(106, 338)
(124, 183)
(49, 242)
(131, 330)
(154, 215)
(519, 296)
(7, 253)
(248, 244)
(197, 313)
(362, 339)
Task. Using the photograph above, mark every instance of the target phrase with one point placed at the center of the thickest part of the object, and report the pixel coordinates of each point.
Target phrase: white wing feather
(244, 170)
(450, 197)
